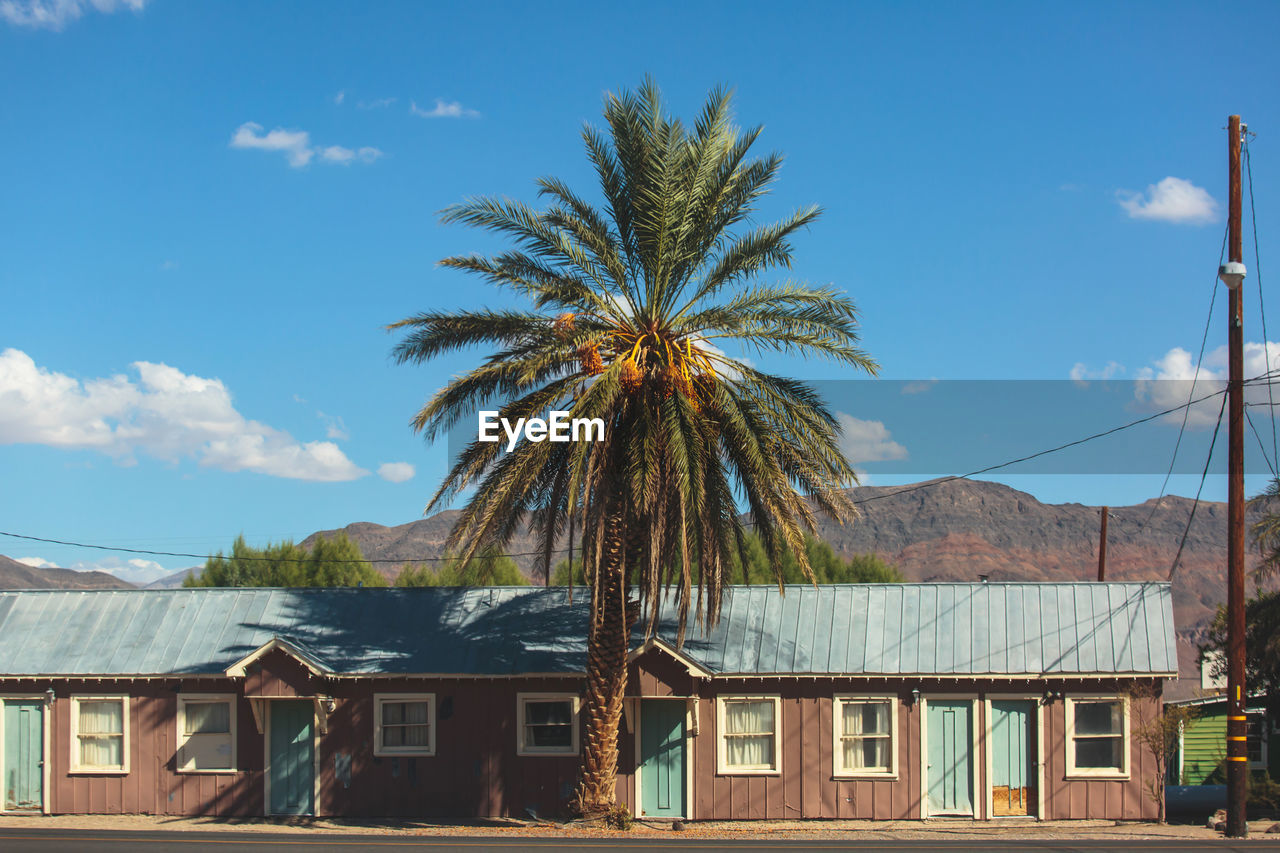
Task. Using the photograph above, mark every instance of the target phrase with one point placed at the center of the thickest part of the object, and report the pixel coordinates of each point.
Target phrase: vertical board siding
(476, 771)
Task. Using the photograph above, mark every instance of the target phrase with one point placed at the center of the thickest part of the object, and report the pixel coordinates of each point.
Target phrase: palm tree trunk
(607, 648)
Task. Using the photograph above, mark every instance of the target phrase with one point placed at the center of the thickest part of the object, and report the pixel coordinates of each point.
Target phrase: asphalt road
(74, 841)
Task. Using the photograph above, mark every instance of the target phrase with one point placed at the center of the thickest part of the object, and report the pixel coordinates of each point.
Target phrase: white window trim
(183, 699)
(723, 768)
(1074, 772)
(394, 751)
(76, 767)
(542, 751)
(837, 748)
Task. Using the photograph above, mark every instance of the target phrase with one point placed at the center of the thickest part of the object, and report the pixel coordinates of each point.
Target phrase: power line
(869, 499)
(1204, 339)
(1262, 305)
(1203, 476)
(1261, 446)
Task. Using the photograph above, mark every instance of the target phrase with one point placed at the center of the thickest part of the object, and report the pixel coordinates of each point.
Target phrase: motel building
(990, 701)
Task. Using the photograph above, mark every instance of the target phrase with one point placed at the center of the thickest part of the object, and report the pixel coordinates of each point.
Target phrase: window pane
(101, 750)
(1099, 718)
(870, 718)
(748, 717)
(208, 752)
(207, 717)
(392, 713)
(866, 754)
(556, 711)
(749, 751)
(557, 735)
(101, 716)
(1099, 753)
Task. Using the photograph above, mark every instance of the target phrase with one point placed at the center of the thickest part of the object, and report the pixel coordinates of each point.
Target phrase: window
(548, 724)
(100, 734)
(1257, 741)
(748, 741)
(1097, 737)
(404, 724)
(206, 733)
(866, 729)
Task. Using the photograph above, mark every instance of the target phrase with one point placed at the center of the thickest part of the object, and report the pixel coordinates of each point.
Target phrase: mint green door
(662, 768)
(1013, 786)
(23, 754)
(950, 763)
(292, 758)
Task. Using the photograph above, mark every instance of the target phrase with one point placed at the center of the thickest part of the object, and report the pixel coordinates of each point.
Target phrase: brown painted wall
(476, 771)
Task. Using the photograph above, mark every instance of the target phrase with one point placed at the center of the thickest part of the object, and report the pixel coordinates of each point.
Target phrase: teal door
(23, 754)
(1013, 779)
(950, 764)
(292, 758)
(662, 770)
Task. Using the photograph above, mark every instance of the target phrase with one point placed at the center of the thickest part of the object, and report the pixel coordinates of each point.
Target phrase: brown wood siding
(476, 771)
(153, 785)
(277, 674)
(1103, 799)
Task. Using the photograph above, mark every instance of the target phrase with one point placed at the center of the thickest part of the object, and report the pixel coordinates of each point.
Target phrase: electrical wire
(1204, 339)
(1262, 307)
(869, 499)
(1203, 476)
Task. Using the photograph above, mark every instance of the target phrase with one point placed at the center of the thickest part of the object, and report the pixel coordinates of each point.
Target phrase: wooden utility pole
(1102, 548)
(1232, 275)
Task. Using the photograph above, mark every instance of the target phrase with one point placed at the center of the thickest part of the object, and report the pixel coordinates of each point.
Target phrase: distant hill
(15, 575)
(174, 580)
(962, 529)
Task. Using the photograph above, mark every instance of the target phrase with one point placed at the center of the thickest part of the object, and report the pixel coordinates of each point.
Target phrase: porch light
(49, 696)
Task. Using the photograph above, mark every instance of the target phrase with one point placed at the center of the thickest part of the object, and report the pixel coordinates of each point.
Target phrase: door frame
(1037, 742)
(266, 756)
(689, 731)
(975, 731)
(45, 714)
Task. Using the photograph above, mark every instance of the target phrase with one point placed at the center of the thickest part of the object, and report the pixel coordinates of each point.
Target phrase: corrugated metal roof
(863, 629)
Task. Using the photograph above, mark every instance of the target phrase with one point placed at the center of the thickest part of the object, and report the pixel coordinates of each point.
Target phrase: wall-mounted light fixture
(49, 696)
(915, 696)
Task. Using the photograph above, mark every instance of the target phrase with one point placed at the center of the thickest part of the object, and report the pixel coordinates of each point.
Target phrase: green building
(1202, 748)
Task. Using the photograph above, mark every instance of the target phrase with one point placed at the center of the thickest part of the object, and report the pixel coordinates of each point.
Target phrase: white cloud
(135, 570)
(376, 104)
(296, 146)
(919, 387)
(345, 156)
(333, 426)
(443, 109)
(867, 441)
(165, 414)
(340, 97)
(1171, 200)
(56, 14)
(1168, 382)
(1081, 372)
(396, 472)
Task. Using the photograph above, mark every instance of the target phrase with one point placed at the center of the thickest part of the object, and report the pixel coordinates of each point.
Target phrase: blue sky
(212, 211)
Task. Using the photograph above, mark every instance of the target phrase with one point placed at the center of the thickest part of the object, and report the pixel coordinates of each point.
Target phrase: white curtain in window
(206, 718)
(749, 733)
(406, 724)
(860, 720)
(101, 730)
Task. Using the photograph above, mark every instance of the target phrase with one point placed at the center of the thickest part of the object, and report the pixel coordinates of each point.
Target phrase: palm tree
(629, 305)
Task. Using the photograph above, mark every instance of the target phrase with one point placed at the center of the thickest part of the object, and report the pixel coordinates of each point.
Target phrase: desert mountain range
(956, 530)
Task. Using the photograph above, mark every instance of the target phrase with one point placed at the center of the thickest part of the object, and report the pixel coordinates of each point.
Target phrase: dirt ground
(957, 830)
